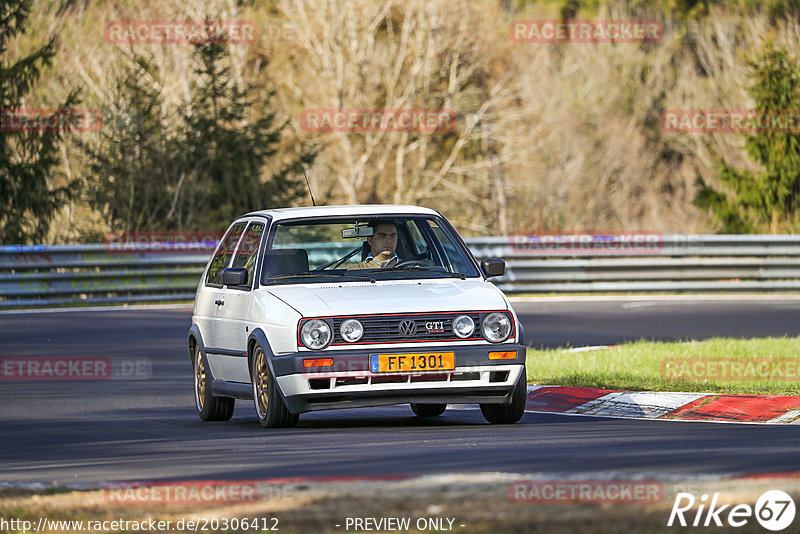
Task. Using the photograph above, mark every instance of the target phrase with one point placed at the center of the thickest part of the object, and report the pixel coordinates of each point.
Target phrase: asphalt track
(113, 430)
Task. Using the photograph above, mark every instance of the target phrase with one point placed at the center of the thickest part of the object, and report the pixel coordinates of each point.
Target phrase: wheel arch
(195, 339)
(257, 336)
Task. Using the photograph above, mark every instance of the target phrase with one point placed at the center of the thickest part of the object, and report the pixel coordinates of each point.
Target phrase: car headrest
(287, 261)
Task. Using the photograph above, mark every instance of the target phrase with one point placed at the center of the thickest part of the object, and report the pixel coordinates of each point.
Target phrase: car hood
(396, 296)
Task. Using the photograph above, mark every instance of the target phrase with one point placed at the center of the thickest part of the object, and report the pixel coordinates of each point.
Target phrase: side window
(224, 253)
(247, 252)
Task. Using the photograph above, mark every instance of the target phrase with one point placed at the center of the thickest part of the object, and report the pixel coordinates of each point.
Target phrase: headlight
(351, 330)
(316, 334)
(463, 326)
(496, 327)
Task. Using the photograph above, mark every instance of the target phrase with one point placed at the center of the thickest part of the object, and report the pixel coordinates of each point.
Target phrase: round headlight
(463, 326)
(316, 334)
(496, 327)
(351, 330)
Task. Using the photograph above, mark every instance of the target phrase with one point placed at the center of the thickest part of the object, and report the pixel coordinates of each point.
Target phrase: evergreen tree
(133, 168)
(765, 201)
(198, 172)
(28, 158)
(227, 150)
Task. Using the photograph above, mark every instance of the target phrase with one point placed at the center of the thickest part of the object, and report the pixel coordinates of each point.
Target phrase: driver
(383, 243)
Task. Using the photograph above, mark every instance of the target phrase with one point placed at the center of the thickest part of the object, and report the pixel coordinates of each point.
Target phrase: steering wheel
(417, 259)
(408, 263)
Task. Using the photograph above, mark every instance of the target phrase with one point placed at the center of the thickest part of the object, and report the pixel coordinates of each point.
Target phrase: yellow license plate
(404, 363)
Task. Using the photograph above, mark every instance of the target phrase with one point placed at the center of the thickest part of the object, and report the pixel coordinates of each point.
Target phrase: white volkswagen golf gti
(304, 309)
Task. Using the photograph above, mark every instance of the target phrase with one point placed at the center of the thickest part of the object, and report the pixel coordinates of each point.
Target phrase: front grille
(387, 328)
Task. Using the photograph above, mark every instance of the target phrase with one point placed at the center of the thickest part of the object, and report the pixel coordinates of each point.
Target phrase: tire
(270, 408)
(428, 410)
(504, 414)
(209, 407)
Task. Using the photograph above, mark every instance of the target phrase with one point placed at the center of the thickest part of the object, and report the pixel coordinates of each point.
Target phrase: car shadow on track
(383, 417)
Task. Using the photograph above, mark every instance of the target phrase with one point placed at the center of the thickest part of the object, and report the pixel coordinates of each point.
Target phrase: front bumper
(349, 383)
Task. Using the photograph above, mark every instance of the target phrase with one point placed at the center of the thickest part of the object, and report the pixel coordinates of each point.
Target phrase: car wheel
(270, 408)
(209, 407)
(428, 410)
(512, 412)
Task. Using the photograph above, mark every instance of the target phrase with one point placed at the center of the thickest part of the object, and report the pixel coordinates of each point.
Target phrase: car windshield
(364, 249)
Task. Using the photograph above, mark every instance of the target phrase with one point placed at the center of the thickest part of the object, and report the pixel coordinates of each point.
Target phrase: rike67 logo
(774, 510)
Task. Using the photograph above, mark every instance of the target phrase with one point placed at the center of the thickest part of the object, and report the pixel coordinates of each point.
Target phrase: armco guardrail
(48, 275)
(51, 275)
(645, 263)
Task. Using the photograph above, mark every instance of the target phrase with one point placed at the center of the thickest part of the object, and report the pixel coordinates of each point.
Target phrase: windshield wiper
(321, 275)
(418, 268)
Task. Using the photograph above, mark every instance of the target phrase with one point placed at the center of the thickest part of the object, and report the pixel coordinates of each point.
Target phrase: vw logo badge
(408, 328)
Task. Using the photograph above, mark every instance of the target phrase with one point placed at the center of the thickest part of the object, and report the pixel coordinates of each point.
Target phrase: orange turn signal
(318, 362)
(507, 355)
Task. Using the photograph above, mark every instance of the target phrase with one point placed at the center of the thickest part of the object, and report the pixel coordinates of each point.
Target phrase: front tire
(209, 407)
(428, 410)
(270, 408)
(504, 414)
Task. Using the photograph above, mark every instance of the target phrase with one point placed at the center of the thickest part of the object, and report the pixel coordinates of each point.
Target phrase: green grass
(639, 366)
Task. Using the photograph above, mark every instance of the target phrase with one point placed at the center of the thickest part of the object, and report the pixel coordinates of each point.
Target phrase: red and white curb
(664, 405)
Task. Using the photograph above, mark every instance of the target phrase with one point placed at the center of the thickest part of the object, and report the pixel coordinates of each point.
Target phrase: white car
(293, 313)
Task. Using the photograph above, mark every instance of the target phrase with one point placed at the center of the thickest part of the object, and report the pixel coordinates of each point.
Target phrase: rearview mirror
(234, 276)
(357, 231)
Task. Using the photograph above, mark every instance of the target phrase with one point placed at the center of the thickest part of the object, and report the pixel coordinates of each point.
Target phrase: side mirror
(491, 267)
(234, 276)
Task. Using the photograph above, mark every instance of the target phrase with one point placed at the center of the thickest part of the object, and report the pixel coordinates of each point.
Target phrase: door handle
(219, 302)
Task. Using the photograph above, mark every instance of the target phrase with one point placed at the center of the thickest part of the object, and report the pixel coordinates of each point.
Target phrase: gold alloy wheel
(199, 379)
(262, 383)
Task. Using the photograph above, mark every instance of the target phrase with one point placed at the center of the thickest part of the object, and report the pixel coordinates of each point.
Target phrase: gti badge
(435, 327)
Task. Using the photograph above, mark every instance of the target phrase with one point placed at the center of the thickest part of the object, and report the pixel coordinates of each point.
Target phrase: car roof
(346, 211)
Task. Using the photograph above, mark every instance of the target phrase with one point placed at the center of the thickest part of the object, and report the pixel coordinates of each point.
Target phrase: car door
(206, 306)
(231, 324)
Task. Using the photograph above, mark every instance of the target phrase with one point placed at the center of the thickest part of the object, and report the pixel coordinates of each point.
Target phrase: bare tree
(417, 54)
